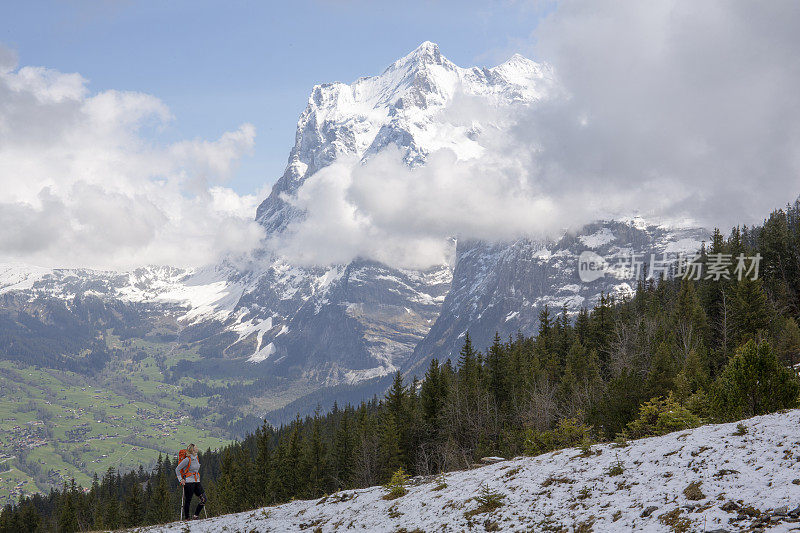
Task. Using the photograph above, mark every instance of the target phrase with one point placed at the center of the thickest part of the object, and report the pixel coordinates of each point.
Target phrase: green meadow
(56, 425)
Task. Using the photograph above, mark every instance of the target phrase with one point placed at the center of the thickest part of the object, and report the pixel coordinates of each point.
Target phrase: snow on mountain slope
(498, 287)
(369, 319)
(194, 294)
(18, 276)
(402, 106)
(501, 287)
(563, 491)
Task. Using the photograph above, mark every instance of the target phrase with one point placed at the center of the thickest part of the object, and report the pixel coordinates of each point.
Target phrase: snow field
(567, 490)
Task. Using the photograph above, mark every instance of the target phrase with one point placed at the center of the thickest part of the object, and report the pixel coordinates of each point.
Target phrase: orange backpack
(183, 454)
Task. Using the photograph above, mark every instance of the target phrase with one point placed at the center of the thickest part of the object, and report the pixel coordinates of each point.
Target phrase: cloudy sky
(133, 133)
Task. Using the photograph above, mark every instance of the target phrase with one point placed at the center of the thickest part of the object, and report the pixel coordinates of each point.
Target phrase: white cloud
(383, 210)
(84, 185)
(688, 107)
(668, 110)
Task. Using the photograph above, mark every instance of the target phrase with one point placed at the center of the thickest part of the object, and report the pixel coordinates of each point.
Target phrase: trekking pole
(183, 495)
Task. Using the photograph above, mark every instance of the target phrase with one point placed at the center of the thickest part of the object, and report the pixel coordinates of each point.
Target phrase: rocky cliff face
(368, 319)
(502, 287)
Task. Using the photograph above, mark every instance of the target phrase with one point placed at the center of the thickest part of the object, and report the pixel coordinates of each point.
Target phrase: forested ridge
(677, 354)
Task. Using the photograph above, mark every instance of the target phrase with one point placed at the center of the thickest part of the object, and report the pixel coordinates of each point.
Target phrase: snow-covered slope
(193, 294)
(501, 287)
(739, 477)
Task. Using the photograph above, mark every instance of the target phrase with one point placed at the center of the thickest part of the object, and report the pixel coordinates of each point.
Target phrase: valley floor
(709, 478)
(56, 425)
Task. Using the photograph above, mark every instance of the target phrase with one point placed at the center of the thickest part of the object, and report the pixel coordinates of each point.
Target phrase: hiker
(188, 472)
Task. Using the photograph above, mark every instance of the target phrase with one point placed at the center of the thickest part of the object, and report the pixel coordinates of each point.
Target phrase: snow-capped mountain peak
(426, 53)
(518, 71)
(402, 106)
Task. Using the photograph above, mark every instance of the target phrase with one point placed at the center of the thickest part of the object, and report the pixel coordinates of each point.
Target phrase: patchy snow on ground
(734, 475)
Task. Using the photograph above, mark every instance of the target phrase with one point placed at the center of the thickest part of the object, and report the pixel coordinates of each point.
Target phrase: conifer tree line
(676, 354)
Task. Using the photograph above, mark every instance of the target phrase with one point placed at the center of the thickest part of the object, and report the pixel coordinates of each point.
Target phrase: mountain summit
(402, 107)
(426, 53)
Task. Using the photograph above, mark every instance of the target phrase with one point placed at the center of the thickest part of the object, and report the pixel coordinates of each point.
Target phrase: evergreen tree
(161, 510)
(751, 312)
(694, 375)
(390, 453)
(315, 461)
(468, 363)
(134, 511)
(29, 520)
(433, 397)
(225, 492)
(430, 396)
(496, 371)
(580, 384)
(288, 472)
(110, 505)
(233, 490)
(780, 266)
(396, 398)
(343, 452)
(754, 383)
(545, 322)
(149, 502)
(717, 242)
(788, 342)
(663, 369)
(262, 472)
(600, 330)
(620, 403)
(690, 318)
(68, 517)
(582, 325)
(396, 402)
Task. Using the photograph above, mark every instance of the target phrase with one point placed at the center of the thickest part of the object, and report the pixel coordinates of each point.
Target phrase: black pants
(189, 490)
